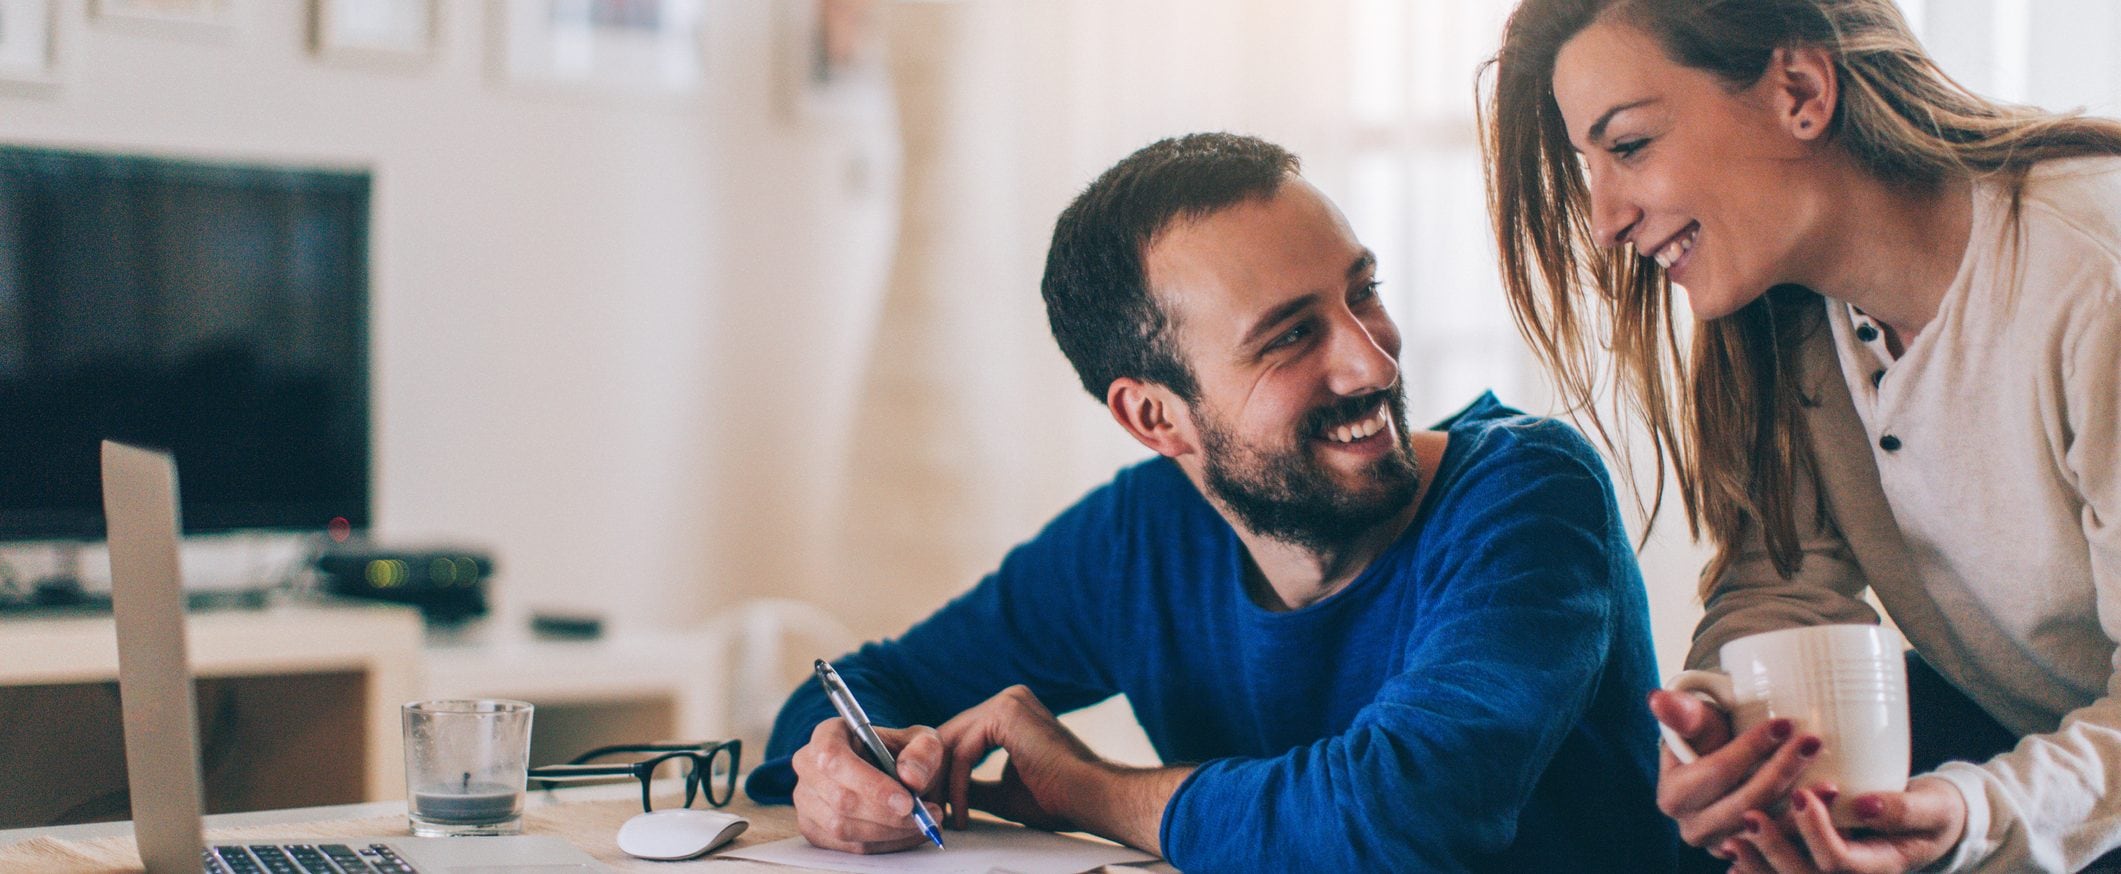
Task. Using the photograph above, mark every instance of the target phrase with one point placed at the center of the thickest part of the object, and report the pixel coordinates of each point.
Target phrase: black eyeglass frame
(699, 768)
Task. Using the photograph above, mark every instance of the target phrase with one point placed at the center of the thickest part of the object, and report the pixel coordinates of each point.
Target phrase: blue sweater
(1472, 701)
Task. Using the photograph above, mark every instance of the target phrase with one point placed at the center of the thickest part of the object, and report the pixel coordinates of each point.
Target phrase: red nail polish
(1826, 796)
(1780, 729)
(1752, 825)
(1797, 801)
(1808, 747)
(1869, 808)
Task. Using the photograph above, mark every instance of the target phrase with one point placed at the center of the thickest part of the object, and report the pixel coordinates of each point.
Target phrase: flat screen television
(217, 311)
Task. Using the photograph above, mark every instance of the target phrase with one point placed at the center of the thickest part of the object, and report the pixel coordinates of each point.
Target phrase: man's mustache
(1341, 412)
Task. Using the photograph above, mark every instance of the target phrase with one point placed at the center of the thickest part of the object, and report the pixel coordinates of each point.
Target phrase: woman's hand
(1902, 831)
(1709, 796)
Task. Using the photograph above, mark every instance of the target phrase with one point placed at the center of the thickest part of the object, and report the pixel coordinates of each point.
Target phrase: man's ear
(1153, 414)
(1807, 88)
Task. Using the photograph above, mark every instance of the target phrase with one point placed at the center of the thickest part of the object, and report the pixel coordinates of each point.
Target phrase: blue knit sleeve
(1505, 655)
(1037, 620)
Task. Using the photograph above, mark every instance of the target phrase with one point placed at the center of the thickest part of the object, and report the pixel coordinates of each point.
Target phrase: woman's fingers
(1707, 795)
(1705, 728)
(1782, 851)
(1929, 805)
(1745, 858)
(1767, 786)
(1814, 821)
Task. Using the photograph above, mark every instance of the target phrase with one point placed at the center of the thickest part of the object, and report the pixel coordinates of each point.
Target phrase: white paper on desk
(980, 848)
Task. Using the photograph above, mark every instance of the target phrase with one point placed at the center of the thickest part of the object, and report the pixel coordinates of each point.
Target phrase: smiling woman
(1896, 277)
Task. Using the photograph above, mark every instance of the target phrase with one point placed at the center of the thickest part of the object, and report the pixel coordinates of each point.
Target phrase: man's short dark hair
(1097, 285)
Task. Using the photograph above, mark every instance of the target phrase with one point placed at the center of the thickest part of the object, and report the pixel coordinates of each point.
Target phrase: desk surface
(588, 817)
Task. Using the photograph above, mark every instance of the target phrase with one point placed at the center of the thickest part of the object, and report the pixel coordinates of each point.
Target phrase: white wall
(623, 341)
(598, 322)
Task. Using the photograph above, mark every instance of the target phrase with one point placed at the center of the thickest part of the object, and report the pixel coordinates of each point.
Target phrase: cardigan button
(1866, 333)
(1889, 443)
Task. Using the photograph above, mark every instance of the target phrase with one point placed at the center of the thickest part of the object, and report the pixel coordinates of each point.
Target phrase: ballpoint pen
(879, 755)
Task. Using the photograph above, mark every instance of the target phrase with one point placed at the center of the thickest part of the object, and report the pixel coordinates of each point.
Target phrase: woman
(1906, 378)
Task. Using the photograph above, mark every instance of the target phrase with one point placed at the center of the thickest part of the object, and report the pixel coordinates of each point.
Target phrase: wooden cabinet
(298, 707)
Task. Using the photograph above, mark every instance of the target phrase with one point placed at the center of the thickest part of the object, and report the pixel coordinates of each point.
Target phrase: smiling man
(1359, 647)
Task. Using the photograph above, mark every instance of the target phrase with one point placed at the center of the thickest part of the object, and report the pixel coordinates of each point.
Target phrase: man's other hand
(842, 802)
(1047, 770)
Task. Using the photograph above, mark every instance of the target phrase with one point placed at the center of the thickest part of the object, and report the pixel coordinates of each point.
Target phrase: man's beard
(1289, 496)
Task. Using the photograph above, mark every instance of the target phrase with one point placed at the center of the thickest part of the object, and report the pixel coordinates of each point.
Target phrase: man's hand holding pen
(1052, 781)
(842, 802)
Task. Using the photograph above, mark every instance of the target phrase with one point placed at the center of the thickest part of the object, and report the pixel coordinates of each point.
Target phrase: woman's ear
(1153, 415)
(1807, 88)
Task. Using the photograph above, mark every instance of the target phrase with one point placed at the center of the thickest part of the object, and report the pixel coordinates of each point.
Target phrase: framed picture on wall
(26, 44)
(642, 46)
(208, 14)
(830, 55)
(379, 31)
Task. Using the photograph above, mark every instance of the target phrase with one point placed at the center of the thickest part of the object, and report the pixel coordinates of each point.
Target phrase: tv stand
(98, 603)
(301, 708)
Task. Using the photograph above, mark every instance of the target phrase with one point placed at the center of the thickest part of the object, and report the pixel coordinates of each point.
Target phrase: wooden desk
(591, 825)
(588, 817)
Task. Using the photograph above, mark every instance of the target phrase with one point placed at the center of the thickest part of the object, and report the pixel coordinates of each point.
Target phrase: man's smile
(1378, 420)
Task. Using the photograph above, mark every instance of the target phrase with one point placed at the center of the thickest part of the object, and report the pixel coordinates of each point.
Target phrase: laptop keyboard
(305, 859)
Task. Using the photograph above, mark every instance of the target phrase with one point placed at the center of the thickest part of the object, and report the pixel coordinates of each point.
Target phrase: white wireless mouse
(669, 835)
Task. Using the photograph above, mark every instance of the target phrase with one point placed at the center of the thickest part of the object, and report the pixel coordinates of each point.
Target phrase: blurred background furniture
(298, 707)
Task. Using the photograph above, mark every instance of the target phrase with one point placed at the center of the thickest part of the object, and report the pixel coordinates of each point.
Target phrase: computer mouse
(668, 835)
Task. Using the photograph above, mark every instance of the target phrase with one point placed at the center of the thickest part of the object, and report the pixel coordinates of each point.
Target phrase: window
(1413, 190)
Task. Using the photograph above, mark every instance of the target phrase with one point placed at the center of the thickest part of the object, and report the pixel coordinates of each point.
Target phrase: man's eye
(1291, 337)
(1365, 292)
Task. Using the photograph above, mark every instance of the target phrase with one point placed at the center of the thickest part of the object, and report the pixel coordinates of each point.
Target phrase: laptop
(161, 734)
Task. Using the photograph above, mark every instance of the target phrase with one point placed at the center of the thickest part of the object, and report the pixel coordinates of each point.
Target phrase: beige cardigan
(2022, 360)
(2028, 810)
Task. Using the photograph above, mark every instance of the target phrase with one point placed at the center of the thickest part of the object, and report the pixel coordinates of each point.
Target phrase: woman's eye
(1627, 148)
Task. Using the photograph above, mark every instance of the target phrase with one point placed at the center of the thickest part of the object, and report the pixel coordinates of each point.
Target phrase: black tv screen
(217, 311)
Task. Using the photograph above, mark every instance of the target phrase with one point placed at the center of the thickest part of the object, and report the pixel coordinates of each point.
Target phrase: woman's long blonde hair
(1726, 415)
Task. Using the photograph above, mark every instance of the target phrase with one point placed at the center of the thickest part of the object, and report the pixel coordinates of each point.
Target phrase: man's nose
(1361, 365)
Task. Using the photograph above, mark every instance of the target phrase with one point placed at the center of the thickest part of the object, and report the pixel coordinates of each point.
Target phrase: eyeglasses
(713, 763)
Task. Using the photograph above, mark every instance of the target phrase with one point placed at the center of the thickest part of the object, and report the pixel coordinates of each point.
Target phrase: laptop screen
(154, 680)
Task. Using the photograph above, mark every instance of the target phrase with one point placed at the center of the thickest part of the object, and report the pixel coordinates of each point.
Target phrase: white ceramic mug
(1845, 683)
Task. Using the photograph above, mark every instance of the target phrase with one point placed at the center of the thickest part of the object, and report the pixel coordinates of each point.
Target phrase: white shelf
(380, 642)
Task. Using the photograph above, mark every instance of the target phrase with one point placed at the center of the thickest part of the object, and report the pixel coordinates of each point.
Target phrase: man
(1368, 648)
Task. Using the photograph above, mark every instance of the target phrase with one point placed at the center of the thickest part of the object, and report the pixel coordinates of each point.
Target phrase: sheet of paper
(979, 849)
